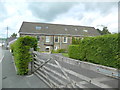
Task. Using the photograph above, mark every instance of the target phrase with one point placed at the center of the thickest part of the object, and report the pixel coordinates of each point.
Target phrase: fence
(47, 74)
(48, 68)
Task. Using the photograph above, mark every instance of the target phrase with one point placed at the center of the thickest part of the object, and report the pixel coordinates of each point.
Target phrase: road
(1, 57)
(11, 80)
(1, 53)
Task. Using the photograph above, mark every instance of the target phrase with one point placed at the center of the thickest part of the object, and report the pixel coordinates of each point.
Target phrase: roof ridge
(56, 24)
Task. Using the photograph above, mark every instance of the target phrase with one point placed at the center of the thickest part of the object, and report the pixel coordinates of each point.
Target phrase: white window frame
(85, 30)
(66, 40)
(47, 38)
(38, 27)
(58, 39)
(47, 47)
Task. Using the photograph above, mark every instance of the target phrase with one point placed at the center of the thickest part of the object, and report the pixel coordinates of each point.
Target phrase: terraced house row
(55, 36)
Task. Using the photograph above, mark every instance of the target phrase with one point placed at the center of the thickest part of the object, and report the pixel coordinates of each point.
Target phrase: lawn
(65, 54)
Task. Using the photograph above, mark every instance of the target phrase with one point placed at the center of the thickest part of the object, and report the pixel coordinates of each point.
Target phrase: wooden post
(31, 64)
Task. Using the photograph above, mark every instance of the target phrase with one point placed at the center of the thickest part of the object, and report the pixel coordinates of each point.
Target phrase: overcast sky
(94, 14)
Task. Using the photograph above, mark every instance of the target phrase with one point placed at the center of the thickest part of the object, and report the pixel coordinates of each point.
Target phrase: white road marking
(1, 59)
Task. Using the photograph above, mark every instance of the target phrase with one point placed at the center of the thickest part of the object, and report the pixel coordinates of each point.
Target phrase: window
(85, 30)
(38, 27)
(56, 47)
(47, 39)
(46, 27)
(56, 39)
(47, 48)
(64, 39)
(76, 29)
(65, 29)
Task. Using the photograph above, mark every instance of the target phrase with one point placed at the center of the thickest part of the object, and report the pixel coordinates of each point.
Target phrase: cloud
(103, 7)
(49, 10)
(12, 14)
(3, 12)
(16, 14)
(99, 14)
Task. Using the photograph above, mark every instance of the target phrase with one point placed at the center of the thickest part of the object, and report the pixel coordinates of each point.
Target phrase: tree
(104, 31)
(14, 35)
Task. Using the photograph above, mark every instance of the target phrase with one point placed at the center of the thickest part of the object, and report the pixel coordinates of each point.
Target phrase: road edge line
(2, 58)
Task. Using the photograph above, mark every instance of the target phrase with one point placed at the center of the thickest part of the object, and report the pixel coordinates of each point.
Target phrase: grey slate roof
(11, 39)
(57, 29)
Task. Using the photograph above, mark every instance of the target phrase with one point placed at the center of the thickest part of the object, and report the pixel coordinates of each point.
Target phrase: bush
(76, 41)
(74, 51)
(100, 50)
(59, 51)
(22, 56)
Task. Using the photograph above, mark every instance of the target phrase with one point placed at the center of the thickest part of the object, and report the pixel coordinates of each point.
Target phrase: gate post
(31, 64)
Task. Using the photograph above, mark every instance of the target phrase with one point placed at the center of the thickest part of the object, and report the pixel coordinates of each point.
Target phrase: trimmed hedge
(22, 56)
(59, 51)
(100, 50)
(74, 51)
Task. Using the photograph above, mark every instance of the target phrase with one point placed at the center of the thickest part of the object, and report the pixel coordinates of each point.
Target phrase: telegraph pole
(7, 38)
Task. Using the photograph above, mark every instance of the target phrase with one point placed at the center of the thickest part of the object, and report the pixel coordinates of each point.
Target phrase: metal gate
(51, 72)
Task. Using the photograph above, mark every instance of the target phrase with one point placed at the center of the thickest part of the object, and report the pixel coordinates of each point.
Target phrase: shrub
(54, 51)
(22, 56)
(74, 51)
(75, 41)
(101, 50)
(59, 51)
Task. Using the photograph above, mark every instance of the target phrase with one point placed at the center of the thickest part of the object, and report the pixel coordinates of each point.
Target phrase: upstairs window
(47, 39)
(64, 39)
(85, 30)
(56, 39)
(38, 27)
(46, 27)
(66, 29)
(76, 29)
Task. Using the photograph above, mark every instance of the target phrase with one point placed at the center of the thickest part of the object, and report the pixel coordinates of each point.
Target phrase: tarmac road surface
(11, 80)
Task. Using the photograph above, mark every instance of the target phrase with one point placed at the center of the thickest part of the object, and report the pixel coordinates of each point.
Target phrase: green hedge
(59, 51)
(75, 41)
(100, 50)
(22, 56)
(74, 51)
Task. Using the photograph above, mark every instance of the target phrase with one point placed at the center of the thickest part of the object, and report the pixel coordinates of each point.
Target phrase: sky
(95, 14)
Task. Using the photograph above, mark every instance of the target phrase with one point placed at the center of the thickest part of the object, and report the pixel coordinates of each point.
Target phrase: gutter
(54, 34)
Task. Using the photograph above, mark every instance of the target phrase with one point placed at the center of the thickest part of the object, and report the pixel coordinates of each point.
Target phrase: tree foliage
(14, 35)
(104, 31)
(75, 41)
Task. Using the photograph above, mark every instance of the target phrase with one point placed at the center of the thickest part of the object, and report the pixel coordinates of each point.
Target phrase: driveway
(77, 74)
